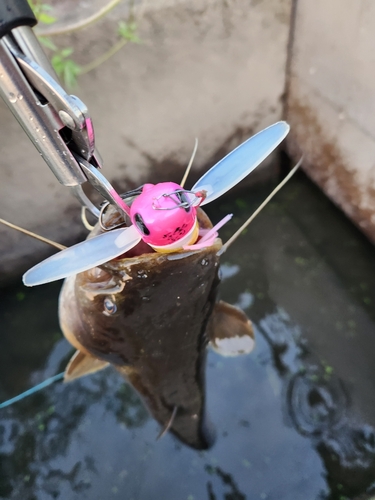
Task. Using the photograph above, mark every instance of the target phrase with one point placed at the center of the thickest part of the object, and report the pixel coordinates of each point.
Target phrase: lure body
(164, 217)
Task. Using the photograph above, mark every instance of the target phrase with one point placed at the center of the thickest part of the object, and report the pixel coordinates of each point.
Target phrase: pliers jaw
(58, 124)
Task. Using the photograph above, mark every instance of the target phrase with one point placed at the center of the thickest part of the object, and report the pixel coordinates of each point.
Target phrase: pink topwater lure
(164, 215)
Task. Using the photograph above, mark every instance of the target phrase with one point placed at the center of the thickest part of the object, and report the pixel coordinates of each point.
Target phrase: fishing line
(182, 183)
(33, 235)
(33, 390)
(224, 248)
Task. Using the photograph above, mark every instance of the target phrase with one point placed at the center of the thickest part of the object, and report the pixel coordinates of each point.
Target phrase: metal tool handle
(40, 121)
(58, 124)
(15, 13)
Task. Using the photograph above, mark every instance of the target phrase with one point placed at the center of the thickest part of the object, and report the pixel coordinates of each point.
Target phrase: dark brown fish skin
(156, 336)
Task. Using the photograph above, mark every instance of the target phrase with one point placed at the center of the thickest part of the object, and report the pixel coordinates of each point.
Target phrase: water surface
(294, 420)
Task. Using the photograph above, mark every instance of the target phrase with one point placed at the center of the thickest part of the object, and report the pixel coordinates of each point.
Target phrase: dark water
(294, 420)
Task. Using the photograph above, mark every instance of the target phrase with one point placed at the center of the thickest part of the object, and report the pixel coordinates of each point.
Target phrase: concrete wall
(208, 69)
(331, 102)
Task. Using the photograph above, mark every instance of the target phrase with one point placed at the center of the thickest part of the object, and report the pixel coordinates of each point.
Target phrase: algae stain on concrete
(326, 165)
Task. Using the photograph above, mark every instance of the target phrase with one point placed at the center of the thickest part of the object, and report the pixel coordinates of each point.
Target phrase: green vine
(66, 68)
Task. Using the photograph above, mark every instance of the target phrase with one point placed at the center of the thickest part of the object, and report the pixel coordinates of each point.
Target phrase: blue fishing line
(34, 389)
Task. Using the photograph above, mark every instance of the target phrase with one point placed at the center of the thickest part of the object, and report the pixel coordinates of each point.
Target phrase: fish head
(112, 310)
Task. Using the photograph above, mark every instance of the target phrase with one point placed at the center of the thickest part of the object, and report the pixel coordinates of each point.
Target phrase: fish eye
(139, 222)
(109, 306)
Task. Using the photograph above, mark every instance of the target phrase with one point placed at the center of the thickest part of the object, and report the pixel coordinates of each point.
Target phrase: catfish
(151, 316)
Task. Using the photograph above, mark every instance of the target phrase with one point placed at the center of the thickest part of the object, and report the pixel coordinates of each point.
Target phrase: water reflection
(35, 433)
(331, 403)
(227, 480)
(317, 404)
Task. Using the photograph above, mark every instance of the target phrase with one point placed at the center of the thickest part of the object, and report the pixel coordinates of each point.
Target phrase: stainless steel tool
(58, 124)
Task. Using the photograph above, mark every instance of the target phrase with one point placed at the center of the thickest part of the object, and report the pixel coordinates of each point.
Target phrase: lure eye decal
(171, 226)
(139, 222)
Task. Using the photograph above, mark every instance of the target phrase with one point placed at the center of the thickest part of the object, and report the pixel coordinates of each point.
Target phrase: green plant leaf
(46, 8)
(47, 42)
(128, 31)
(41, 11)
(70, 73)
(68, 51)
(46, 18)
(67, 69)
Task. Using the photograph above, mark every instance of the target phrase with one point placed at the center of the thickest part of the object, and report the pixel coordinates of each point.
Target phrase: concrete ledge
(331, 102)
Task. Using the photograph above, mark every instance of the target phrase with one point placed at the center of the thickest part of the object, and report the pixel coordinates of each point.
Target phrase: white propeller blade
(240, 162)
(83, 256)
